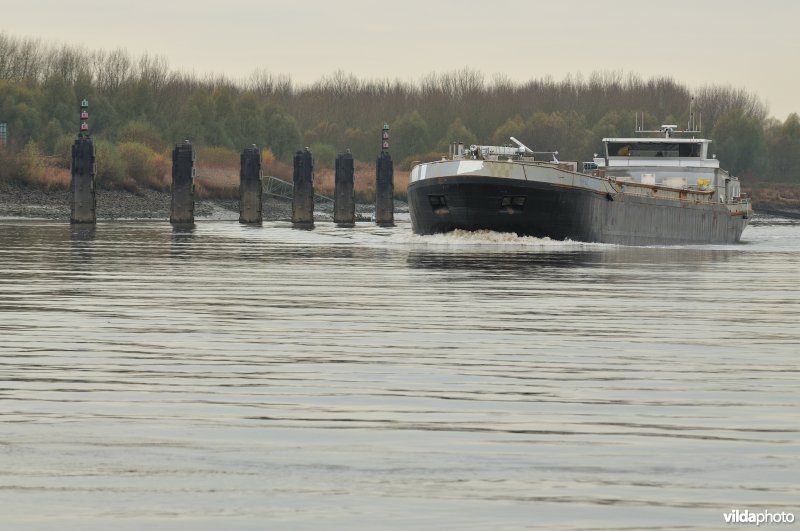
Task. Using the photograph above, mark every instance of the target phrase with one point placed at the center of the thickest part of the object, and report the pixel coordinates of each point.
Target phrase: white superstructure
(676, 163)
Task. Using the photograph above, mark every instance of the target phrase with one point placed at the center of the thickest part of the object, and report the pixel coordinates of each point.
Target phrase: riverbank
(782, 200)
(20, 201)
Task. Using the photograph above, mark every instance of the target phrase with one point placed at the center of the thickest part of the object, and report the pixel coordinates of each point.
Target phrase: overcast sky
(744, 43)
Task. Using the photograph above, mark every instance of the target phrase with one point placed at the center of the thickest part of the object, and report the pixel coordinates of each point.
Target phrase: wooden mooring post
(83, 205)
(82, 191)
(384, 183)
(250, 186)
(303, 196)
(384, 190)
(344, 206)
(182, 211)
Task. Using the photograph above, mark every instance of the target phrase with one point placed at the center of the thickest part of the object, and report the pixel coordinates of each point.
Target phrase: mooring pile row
(83, 199)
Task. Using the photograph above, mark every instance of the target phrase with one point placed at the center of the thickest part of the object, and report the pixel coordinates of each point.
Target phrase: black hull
(444, 204)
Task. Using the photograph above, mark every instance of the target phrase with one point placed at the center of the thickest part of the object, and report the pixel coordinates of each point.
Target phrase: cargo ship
(660, 189)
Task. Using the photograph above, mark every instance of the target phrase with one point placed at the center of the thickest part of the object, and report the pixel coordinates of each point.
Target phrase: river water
(233, 377)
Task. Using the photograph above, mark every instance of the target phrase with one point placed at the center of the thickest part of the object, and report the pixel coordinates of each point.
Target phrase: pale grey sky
(744, 43)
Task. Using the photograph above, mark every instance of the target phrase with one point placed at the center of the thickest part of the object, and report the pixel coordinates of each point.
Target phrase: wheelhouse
(656, 148)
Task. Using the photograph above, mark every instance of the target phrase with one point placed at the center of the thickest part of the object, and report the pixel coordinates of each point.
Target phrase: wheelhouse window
(654, 149)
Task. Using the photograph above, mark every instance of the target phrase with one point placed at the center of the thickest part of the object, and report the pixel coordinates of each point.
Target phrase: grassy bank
(134, 167)
(774, 193)
(775, 198)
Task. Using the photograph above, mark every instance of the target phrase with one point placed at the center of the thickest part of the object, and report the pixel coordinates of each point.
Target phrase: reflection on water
(82, 233)
(249, 377)
(495, 262)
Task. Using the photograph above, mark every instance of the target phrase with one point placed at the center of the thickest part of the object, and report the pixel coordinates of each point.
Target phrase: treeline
(140, 100)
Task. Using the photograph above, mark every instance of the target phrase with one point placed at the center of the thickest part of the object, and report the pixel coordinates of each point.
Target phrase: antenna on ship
(692, 125)
(669, 130)
(639, 125)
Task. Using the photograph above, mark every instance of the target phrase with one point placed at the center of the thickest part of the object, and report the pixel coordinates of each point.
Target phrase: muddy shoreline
(24, 202)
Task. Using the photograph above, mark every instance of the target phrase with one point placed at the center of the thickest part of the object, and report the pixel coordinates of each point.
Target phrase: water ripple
(230, 376)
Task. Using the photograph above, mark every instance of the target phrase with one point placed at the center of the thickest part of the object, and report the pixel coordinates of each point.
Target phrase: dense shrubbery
(217, 156)
(141, 132)
(110, 166)
(141, 103)
(144, 166)
(324, 154)
(28, 166)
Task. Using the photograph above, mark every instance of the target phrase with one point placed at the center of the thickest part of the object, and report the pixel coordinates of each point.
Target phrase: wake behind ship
(644, 191)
